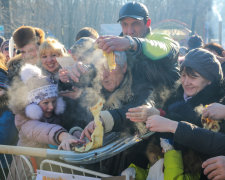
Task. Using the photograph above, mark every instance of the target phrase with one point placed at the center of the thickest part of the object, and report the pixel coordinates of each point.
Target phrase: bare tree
(64, 18)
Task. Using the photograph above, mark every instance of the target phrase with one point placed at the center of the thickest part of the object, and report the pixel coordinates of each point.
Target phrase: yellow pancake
(97, 135)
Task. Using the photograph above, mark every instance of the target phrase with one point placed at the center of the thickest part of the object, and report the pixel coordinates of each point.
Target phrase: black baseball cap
(134, 10)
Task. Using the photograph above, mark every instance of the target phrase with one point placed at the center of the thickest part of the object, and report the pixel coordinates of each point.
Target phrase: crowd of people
(177, 92)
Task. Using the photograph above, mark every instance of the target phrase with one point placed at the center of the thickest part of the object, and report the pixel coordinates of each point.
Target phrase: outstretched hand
(67, 140)
(214, 168)
(214, 111)
(141, 113)
(74, 72)
(113, 43)
(88, 130)
(158, 123)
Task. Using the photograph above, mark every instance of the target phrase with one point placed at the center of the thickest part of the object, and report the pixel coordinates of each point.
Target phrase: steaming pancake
(110, 60)
(97, 135)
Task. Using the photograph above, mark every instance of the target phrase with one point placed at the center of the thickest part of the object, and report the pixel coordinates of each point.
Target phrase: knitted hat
(39, 88)
(204, 63)
(25, 34)
(5, 43)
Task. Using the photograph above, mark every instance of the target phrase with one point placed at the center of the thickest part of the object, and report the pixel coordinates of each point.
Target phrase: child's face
(2, 91)
(48, 106)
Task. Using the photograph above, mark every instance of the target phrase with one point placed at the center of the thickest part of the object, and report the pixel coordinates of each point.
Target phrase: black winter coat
(178, 110)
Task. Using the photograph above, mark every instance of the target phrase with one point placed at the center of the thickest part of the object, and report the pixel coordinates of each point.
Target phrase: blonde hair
(53, 46)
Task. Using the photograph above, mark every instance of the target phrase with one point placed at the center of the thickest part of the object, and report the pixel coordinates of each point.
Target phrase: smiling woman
(200, 84)
(48, 51)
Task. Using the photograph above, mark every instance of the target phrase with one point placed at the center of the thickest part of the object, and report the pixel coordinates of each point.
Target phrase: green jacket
(173, 168)
(157, 46)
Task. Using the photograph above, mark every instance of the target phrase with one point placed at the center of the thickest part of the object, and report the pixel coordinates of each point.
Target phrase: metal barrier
(67, 168)
(15, 167)
(16, 164)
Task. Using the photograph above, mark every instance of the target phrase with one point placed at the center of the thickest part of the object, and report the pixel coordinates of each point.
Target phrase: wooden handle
(27, 151)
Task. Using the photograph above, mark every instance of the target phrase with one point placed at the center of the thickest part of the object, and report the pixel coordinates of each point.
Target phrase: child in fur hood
(37, 110)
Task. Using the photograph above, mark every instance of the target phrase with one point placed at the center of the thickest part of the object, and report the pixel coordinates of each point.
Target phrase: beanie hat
(204, 63)
(39, 88)
(25, 34)
(195, 41)
(5, 43)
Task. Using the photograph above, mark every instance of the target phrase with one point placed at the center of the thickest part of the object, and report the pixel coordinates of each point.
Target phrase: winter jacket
(190, 111)
(53, 77)
(8, 134)
(34, 133)
(178, 109)
(75, 114)
(173, 167)
(8, 131)
(153, 66)
(202, 140)
(115, 102)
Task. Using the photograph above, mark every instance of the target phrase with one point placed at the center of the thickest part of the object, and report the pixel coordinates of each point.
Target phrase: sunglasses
(7, 49)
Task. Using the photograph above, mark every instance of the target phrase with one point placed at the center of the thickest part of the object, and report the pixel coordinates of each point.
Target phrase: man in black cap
(152, 58)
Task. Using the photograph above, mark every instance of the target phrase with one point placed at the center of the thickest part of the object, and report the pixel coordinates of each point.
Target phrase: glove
(165, 144)
(129, 172)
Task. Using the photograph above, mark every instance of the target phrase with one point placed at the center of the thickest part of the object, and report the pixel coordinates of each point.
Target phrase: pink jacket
(34, 133)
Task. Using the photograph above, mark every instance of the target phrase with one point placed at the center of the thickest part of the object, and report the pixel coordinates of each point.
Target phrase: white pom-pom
(60, 106)
(28, 71)
(33, 111)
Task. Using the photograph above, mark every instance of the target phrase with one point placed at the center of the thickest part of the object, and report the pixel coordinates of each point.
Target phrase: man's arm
(153, 46)
(158, 46)
(119, 115)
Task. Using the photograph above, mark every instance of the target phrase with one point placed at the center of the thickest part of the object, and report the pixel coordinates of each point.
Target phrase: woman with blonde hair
(48, 51)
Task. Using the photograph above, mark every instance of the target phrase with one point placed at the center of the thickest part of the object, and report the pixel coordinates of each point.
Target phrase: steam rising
(216, 9)
(17, 96)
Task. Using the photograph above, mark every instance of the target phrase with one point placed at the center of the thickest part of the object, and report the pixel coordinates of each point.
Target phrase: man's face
(29, 52)
(133, 27)
(111, 80)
